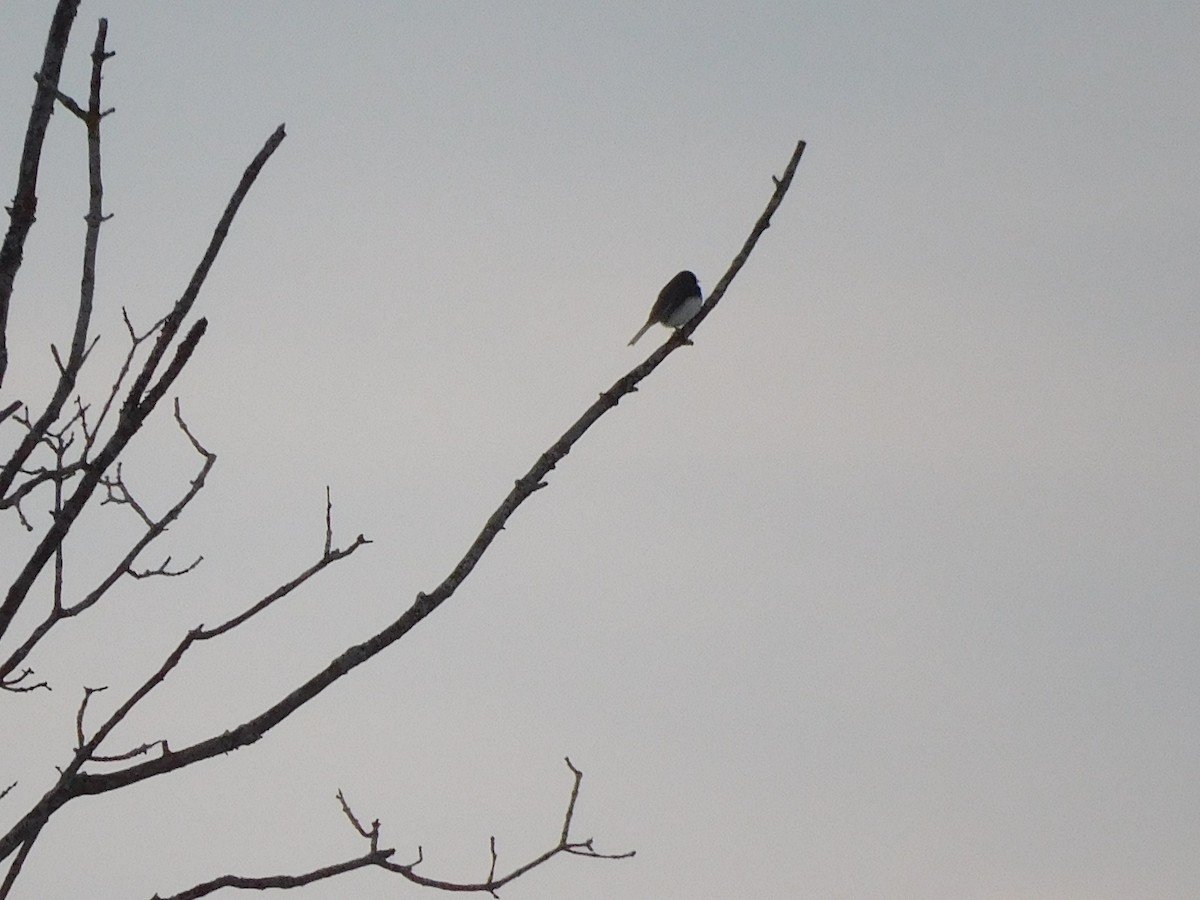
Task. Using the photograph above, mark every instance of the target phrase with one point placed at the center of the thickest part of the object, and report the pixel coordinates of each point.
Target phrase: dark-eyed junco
(676, 303)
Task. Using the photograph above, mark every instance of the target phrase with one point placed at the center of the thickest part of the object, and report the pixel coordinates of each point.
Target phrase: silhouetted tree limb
(85, 450)
(69, 371)
(382, 859)
(425, 603)
(23, 211)
(143, 396)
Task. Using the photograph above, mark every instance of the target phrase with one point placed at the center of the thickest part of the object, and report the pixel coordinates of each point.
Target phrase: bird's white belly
(686, 310)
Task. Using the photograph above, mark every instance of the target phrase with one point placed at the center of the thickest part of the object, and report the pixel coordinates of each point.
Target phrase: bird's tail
(641, 331)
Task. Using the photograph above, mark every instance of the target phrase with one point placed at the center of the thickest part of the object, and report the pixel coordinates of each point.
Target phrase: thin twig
(81, 712)
(15, 683)
(328, 521)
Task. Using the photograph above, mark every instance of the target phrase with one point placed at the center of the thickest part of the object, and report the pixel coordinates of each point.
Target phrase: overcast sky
(888, 587)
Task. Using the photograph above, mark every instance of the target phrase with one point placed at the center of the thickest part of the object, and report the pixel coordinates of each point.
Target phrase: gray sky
(886, 588)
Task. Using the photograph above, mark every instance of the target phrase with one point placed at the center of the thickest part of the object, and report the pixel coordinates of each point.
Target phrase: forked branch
(69, 370)
(141, 398)
(173, 344)
(23, 211)
(254, 729)
(382, 859)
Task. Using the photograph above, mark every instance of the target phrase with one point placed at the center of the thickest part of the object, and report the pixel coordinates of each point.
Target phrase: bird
(677, 302)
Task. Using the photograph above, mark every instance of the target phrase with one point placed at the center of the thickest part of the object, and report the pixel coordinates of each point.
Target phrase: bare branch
(571, 803)
(163, 570)
(15, 685)
(253, 729)
(118, 757)
(91, 431)
(380, 858)
(492, 868)
(41, 476)
(125, 565)
(81, 712)
(493, 884)
(23, 211)
(139, 402)
(70, 105)
(118, 493)
(372, 835)
(135, 341)
(183, 305)
(283, 590)
(18, 863)
(764, 222)
(87, 288)
(279, 881)
(73, 783)
(328, 521)
(141, 750)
